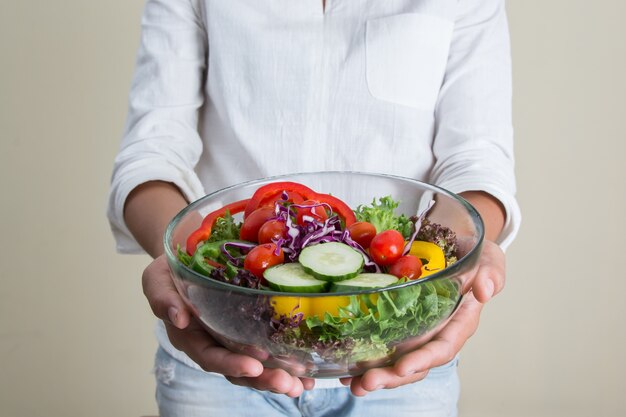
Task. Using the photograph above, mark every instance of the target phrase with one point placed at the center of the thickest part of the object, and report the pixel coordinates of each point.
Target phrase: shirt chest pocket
(406, 58)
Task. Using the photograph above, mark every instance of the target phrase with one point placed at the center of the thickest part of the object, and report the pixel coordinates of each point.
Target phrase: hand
(414, 366)
(187, 335)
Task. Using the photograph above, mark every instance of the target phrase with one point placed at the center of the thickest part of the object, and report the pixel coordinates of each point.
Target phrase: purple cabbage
(417, 227)
(242, 246)
(314, 232)
(243, 278)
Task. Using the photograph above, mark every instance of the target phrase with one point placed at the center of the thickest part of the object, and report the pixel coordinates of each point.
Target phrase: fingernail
(379, 387)
(172, 313)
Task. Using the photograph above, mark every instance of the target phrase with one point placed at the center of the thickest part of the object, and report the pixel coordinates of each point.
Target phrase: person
(229, 91)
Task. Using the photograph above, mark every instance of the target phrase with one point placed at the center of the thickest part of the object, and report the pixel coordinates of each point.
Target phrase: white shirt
(231, 90)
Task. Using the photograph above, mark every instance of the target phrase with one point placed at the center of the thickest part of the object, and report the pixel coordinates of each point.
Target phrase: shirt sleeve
(473, 144)
(161, 140)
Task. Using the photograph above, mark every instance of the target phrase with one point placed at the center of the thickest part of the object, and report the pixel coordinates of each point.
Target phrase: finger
(308, 383)
(490, 276)
(275, 380)
(446, 344)
(356, 388)
(297, 390)
(210, 355)
(346, 381)
(162, 295)
(383, 378)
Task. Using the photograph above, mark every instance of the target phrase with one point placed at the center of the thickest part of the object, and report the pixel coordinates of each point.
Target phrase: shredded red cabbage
(283, 322)
(244, 247)
(418, 225)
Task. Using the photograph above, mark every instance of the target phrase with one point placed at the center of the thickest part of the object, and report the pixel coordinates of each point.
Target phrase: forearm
(491, 211)
(148, 210)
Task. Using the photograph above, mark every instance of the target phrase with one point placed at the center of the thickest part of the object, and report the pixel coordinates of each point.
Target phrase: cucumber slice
(293, 278)
(366, 281)
(331, 261)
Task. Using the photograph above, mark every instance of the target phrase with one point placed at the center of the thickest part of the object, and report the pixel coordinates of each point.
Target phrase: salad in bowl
(325, 274)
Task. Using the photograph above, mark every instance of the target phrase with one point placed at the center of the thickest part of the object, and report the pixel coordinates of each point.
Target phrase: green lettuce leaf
(382, 215)
(373, 328)
(225, 228)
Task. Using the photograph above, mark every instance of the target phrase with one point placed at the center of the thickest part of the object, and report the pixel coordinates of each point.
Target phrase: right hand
(188, 336)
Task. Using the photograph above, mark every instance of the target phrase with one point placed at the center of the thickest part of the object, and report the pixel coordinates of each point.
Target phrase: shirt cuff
(135, 174)
(511, 207)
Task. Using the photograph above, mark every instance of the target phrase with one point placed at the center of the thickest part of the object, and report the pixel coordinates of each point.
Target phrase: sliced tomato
(273, 191)
(204, 231)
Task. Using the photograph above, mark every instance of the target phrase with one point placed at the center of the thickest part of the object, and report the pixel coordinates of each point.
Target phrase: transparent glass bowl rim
(451, 270)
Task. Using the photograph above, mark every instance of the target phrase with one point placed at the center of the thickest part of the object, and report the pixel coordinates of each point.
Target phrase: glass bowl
(328, 335)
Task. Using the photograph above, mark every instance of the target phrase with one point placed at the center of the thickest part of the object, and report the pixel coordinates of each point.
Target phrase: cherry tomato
(408, 266)
(317, 213)
(251, 224)
(362, 233)
(272, 230)
(262, 257)
(386, 247)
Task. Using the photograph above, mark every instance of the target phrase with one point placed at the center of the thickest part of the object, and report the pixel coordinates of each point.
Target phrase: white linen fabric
(228, 91)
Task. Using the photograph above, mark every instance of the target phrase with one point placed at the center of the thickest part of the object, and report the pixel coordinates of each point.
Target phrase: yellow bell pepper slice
(309, 306)
(289, 306)
(319, 306)
(322, 305)
(314, 306)
(432, 253)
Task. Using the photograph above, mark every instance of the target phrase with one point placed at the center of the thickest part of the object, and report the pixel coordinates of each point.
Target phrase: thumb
(164, 299)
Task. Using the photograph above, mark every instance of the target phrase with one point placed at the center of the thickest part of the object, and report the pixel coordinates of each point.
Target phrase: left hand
(414, 366)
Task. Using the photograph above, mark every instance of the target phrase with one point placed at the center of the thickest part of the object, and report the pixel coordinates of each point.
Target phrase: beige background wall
(76, 333)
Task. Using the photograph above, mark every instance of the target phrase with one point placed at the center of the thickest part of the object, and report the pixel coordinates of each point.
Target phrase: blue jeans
(183, 391)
